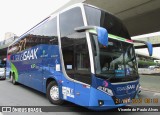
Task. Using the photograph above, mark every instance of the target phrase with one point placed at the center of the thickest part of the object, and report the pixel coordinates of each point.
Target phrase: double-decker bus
(81, 54)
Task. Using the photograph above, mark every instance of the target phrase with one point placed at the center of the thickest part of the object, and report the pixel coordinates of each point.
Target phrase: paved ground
(19, 95)
(150, 82)
(148, 71)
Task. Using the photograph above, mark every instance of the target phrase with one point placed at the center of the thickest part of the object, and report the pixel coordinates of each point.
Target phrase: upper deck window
(97, 17)
(70, 20)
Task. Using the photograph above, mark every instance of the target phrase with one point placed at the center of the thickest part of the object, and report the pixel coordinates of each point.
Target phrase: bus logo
(27, 55)
(105, 84)
(126, 88)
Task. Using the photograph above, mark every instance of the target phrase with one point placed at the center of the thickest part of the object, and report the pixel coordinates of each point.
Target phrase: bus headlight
(105, 90)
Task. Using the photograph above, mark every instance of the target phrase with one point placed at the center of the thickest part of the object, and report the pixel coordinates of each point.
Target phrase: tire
(53, 93)
(13, 79)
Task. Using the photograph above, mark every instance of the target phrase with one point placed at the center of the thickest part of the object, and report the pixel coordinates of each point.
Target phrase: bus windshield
(117, 60)
(97, 17)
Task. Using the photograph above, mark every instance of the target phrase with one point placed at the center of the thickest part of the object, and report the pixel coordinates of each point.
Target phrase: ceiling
(139, 16)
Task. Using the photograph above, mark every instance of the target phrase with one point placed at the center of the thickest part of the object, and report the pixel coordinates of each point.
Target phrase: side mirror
(102, 36)
(149, 46)
(102, 33)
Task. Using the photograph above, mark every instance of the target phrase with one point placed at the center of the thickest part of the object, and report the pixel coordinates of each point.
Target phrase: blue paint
(150, 48)
(102, 36)
(44, 66)
(32, 73)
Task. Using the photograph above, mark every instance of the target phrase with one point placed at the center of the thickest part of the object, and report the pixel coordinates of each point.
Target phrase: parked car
(2, 71)
(154, 67)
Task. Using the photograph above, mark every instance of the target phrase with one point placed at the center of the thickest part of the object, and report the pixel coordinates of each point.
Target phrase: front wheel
(53, 93)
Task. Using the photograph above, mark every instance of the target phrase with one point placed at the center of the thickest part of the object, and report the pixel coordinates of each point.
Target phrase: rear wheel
(13, 79)
(53, 93)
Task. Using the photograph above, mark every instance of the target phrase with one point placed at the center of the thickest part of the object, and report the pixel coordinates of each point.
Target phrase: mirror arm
(149, 45)
(101, 32)
(139, 41)
(84, 28)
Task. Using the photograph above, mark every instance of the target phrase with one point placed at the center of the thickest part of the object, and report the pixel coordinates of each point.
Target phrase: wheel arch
(49, 80)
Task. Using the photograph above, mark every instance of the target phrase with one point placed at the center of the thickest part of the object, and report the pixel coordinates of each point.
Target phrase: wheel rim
(54, 93)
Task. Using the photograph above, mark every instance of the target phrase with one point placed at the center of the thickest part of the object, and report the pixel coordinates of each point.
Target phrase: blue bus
(81, 54)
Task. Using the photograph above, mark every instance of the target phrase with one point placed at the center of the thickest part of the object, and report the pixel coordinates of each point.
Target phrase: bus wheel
(13, 79)
(53, 93)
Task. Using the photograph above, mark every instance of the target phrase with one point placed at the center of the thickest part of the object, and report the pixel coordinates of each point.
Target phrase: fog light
(100, 102)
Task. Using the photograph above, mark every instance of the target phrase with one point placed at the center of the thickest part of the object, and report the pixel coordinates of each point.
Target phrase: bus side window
(45, 33)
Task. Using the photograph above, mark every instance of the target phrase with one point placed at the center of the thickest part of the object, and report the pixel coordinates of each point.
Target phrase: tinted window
(43, 34)
(70, 20)
(47, 29)
(101, 18)
(74, 46)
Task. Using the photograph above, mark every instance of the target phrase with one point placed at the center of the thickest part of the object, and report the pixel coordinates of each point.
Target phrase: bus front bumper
(101, 101)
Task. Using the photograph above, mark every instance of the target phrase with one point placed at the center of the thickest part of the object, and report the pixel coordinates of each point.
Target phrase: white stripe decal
(124, 82)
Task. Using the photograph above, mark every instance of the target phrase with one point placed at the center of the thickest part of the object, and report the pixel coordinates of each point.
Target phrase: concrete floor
(150, 82)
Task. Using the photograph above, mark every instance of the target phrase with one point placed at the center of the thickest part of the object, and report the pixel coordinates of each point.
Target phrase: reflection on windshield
(130, 60)
(116, 60)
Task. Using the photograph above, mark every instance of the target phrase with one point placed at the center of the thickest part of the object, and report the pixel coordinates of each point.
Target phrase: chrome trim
(88, 41)
(54, 93)
(124, 82)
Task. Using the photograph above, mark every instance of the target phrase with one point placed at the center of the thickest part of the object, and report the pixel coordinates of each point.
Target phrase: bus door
(68, 78)
(82, 73)
(77, 66)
